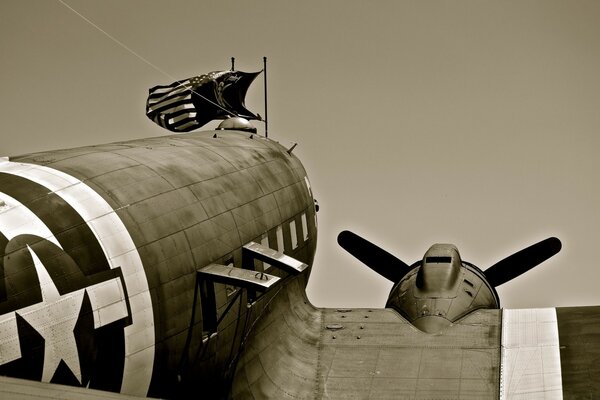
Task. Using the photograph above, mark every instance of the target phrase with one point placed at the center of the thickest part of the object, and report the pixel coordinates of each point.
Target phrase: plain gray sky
(470, 122)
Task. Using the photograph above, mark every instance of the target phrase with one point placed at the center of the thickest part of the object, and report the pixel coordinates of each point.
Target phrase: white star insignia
(54, 319)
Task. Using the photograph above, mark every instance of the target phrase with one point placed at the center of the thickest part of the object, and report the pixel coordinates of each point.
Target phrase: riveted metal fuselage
(120, 231)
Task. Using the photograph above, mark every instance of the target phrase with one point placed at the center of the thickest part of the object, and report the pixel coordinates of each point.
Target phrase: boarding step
(259, 252)
(238, 277)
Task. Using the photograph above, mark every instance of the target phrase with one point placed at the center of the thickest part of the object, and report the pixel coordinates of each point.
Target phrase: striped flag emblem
(186, 105)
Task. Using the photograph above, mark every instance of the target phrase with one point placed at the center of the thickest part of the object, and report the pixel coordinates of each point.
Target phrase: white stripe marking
(120, 252)
(16, 219)
(280, 246)
(308, 185)
(530, 354)
(293, 235)
(265, 242)
(304, 227)
(108, 302)
(10, 347)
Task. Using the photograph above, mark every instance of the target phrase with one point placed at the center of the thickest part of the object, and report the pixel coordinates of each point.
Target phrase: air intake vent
(438, 260)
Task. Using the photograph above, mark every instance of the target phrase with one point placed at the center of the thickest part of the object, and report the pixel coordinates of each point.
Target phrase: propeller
(393, 269)
(374, 257)
(522, 261)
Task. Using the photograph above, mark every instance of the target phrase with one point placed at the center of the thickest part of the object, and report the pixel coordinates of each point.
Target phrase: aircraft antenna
(233, 63)
(265, 80)
(123, 45)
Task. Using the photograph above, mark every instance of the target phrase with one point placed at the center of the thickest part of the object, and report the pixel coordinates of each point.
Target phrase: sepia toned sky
(468, 122)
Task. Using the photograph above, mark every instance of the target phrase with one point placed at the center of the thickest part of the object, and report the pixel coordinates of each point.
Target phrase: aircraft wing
(299, 351)
(579, 340)
(21, 389)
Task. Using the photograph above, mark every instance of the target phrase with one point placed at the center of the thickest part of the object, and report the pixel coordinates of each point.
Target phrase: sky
(419, 122)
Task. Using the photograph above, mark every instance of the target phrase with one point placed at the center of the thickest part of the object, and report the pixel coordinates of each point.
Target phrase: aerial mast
(265, 78)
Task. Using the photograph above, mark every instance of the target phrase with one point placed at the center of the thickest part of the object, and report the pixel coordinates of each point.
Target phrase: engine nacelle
(440, 289)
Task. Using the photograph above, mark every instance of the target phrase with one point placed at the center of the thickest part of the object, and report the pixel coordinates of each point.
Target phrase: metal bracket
(228, 275)
(253, 250)
(256, 251)
(246, 277)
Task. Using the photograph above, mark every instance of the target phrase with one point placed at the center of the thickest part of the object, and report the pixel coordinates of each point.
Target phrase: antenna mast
(266, 114)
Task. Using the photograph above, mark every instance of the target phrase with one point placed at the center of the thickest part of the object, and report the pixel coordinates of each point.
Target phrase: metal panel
(579, 337)
(281, 358)
(366, 354)
(461, 362)
(186, 200)
(10, 348)
(94, 164)
(276, 258)
(20, 389)
(226, 192)
(183, 165)
(88, 206)
(238, 277)
(16, 219)
(108, 302)
(256, 216)
(273, 175)
(167, 259)
(213, 238)
(530, 354)
(287, 200)
(132, 184)
(179, 206)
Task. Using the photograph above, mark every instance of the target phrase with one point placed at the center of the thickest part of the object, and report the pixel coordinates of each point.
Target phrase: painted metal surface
(281, 357)
(579, 337)
(239, 277)
(155, 210)
(101, 246)
(389, 358)
(299, 351)
(267, 254)
(21, 389)
(432, 308)
(51, 318)
(530, 355)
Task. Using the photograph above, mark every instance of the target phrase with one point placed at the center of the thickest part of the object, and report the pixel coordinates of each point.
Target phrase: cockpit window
(438, 260)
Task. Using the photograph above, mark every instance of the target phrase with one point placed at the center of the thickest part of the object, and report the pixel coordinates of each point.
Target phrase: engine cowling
(440, 289)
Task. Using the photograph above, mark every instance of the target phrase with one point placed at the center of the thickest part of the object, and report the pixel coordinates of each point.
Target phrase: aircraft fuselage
(101, 248)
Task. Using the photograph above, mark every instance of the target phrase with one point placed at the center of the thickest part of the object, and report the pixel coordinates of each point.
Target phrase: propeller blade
(374, 257)
(522, 261)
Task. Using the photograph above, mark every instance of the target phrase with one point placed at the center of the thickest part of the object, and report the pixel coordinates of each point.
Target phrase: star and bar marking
(108, 299)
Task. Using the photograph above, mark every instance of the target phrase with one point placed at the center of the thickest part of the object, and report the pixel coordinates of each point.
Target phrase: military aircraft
(176, 267)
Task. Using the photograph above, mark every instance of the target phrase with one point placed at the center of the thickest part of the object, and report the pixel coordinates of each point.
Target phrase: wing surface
(13, 388)
(579, 339)
(300, 351)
